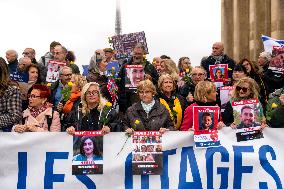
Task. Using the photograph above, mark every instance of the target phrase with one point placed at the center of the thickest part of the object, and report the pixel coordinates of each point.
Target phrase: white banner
(44, 160)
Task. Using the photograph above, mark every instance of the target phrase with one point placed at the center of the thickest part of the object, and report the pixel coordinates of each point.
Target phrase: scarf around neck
(147, 107)
(69, 104)
(35, 111)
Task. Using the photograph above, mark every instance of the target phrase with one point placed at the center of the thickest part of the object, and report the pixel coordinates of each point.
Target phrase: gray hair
(64, 68)
(14, 52)
(266, 56)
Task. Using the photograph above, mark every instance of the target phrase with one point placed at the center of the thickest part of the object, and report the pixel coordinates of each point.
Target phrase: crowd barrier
(44, 160)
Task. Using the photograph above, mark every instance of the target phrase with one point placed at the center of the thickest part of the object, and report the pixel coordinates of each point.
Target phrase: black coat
(127, 98)
(272, 79)
(158, 117)
(227, 114)
(225, 60)
(92, 121)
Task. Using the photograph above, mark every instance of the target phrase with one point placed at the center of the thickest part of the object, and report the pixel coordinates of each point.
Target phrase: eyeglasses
(54, 53)
(197, 74)
(244, 89)
(67, 75)
(33, 96)
(25, 53)
(92, 93)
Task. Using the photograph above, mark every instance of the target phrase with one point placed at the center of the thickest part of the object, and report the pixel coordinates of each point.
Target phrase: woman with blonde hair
(71, 104)
(246, 88)
(93, 113)
(169, 66)
(204, 95)
(184, 66)
(147, 114)
(255, 72)
(167, 96)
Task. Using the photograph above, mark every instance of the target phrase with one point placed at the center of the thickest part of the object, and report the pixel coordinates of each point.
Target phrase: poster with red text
(147, 155)
(134, 74)
(205, 120)
(218, 74)
(276, 64)
(247, 118)
(53, 70)
(87, 153)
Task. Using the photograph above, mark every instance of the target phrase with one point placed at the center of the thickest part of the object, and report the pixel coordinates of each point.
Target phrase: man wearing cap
(109, 54)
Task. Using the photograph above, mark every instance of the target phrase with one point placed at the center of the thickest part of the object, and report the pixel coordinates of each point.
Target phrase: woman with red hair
(39, 116)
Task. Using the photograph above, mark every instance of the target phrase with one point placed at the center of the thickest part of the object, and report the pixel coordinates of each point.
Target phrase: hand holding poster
(205, 122)
(247, 117)
(147, 156)
(53, 70)
(88, 153)
(134, 74)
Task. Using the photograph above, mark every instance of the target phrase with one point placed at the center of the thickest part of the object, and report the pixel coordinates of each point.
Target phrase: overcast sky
(176, 28)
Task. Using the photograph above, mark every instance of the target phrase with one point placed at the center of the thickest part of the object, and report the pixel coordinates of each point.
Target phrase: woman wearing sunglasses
(246, 88)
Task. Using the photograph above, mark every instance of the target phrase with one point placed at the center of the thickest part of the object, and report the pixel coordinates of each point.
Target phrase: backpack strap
(49, 119)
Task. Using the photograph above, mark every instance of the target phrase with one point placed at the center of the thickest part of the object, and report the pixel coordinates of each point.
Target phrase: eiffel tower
(117, 19)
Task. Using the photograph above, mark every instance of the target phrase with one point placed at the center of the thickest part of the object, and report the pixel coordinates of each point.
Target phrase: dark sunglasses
(244, 89)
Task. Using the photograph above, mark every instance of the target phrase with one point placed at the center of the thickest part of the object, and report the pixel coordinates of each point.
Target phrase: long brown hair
(4, 77)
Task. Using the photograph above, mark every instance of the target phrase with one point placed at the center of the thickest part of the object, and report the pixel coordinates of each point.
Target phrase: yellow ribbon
(177, 108)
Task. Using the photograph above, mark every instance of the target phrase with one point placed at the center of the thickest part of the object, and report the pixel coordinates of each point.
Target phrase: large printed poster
(87, 153)
(124, 44)
(247, 118)
(147, 155)
(53, 70)
(277, 61)
(42, 160)
(134, 74)
(205, 122)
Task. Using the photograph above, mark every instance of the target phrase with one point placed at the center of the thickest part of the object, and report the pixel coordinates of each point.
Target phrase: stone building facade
(244, 21)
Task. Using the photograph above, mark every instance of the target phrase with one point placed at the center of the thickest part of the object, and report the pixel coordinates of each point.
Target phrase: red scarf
(69, 104)
(35, 111)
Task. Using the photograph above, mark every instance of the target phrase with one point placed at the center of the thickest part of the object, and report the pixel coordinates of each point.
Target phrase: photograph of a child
(206, 122)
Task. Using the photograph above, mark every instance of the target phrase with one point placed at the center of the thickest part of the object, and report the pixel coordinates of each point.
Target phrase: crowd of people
(163, 97)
